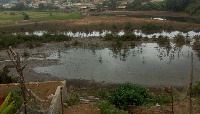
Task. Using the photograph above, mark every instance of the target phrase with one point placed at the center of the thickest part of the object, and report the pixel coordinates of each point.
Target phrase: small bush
(151, 26)
(128, 94)
(197, 38)
(163, 40)
(106, 107)
(5, 78)
(196, 46)
(179, 38)
(160, 99)
(128, 27)
(196, 89)
(25, 53)
(72, 101)
(128, 37)
(26, 17)
(102, 93)
(17, 97)
(125, 37)
(109, 36)
(114, 27)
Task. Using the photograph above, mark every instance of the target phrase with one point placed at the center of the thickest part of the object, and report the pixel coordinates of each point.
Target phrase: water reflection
(170, 34)
(147, 64)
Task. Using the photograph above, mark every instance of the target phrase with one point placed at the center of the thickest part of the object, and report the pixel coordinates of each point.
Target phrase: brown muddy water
(147, 64)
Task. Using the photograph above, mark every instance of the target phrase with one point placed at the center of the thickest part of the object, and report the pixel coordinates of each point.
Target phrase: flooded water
(170, 34)
(147, 64)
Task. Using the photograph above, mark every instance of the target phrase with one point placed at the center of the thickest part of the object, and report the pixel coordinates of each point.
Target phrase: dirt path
(82, 109)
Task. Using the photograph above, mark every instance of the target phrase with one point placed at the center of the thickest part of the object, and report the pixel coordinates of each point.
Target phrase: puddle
(147, 64)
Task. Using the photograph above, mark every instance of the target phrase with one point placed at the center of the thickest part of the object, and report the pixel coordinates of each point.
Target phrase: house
(121, 7)
(83, 7)
(8, 5)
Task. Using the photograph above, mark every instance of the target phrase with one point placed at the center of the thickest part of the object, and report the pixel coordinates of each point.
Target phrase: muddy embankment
(153, 13)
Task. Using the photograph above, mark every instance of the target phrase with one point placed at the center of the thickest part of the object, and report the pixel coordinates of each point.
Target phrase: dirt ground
(41, 89)
(44, 89)
(82, 109)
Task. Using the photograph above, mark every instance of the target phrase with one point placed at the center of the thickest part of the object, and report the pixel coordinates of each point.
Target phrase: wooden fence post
(191, 81)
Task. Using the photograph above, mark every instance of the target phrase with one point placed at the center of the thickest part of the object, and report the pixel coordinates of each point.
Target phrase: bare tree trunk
(15, 59)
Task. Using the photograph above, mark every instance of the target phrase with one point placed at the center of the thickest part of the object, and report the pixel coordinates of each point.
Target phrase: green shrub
(72, 101)
(114, 27)
(109, 36)
(31, 40)
(128, 94)
(5, 78)
(163, 40)
(133, 44)
(128, 27)
(17, 97)
(179, 38)
(151, 26)
(128, 37)
(196, 89)
(102, 93)
(160, 99)
(196, 45)
(26, 17)
(106, 107)
(197, 38)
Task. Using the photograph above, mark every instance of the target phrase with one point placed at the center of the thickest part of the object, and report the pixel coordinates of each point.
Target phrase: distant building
(121, 7)
(8, 5)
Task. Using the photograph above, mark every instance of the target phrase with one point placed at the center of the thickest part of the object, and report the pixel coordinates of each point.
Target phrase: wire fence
(36, 105)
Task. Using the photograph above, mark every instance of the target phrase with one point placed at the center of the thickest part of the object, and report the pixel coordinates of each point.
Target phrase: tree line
(191, 7)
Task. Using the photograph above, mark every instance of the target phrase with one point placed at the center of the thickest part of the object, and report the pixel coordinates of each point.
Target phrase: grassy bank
(98, 23)
(13, 16)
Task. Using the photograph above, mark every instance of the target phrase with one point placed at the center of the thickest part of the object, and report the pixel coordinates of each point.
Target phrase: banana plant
(5, 108)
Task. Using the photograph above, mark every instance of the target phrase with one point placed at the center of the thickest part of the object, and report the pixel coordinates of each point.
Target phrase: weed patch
(128, 94)
(106, 107)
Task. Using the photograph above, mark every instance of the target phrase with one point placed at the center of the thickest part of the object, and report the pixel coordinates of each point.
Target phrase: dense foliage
(196, 89)
(193, 8)
(13, 40)
(145, 5)
(16, 96)
(189, 6)
(128, 94)
(125, 37)
(5, 78)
